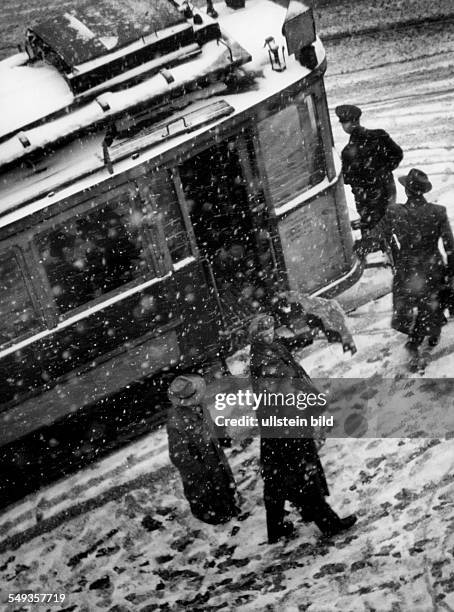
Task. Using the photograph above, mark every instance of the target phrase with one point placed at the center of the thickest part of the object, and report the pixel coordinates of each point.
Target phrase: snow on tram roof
(17, 79)
(79, 164)
(89, 32)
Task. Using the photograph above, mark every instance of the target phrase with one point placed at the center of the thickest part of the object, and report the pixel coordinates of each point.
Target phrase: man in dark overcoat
(367, 164)
(194, 450)
(291, 467)
(420, 272)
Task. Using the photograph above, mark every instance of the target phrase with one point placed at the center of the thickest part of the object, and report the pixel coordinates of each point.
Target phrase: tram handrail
(185, 122)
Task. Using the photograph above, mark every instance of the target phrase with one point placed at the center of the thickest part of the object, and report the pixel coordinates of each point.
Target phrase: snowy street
(412, 99)
(90, 541)
(118, 536)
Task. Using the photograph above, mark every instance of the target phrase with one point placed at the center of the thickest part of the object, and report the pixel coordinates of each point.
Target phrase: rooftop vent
(101, 42)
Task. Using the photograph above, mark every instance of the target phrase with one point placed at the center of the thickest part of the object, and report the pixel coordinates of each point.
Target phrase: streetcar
(160, 179)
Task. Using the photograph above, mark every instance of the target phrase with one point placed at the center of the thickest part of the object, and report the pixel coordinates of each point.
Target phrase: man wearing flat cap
(367, 164)
(194, 450)
(421, 274)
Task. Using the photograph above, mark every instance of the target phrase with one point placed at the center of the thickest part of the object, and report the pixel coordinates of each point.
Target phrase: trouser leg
(306, 511)
(430, 317)
(274, 518)
(414, 342)
(275, 512)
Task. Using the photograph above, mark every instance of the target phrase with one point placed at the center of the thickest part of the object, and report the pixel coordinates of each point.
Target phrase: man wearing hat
(194, 450)
(291, 467)
(420, 272)
(367, 164)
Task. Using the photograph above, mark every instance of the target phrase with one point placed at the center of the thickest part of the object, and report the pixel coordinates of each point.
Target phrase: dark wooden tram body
(170, 307)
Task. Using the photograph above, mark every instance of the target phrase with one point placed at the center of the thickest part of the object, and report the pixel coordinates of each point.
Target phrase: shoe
(412, 346)
(422, 364)
(413, 364)
(307, 516)
(284, 531)
(342, 525)
(433, 340)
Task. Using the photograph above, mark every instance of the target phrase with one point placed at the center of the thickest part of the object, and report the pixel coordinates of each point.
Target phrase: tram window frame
(151, 208)
(250, 164)
(18, 250)
(244, 132)
(325, 128)
(247, 159)
(275, 107)
(310, 101)
(155, 261)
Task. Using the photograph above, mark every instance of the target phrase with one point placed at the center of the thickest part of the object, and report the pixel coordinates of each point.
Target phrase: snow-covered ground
(84, 536)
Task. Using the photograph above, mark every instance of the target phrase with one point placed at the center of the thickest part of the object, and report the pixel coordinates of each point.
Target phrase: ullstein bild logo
(274, 421)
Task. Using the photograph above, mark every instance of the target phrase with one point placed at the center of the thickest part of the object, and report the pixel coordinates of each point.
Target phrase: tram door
(230, 236)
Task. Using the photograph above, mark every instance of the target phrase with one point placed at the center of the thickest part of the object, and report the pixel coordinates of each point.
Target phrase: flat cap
(347, 112)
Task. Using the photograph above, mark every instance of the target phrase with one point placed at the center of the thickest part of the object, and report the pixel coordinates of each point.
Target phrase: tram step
(178, 124)
(378, 264)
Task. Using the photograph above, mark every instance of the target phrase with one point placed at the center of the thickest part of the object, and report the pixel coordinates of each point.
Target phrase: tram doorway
(233, 240)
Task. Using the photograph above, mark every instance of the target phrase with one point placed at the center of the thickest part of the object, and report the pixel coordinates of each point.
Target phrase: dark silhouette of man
(367, 164)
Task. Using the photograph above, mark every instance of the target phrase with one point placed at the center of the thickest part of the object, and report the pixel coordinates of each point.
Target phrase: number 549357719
(36, 597)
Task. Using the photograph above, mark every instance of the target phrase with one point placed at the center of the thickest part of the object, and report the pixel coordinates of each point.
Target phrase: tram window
(93, 254)
(161, 194)
(17, 312)
(292, 152)
(313, 139)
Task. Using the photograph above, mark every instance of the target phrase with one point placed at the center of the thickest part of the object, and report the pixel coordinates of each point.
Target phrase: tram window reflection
(17, 312)
(292, 151)
(91, 255)
(312, 139)
(161, 194)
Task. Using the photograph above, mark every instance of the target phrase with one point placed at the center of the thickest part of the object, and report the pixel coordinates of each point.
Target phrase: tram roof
(83, 35)
(77, 163)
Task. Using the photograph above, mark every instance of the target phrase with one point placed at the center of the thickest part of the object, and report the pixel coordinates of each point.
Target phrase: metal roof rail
(177, 124)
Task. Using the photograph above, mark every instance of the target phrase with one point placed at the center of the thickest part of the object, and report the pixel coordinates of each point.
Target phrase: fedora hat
(260, 323)
(416, 181)
(187, 390)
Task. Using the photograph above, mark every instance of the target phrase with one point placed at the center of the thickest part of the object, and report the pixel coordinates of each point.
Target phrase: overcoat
(208, 481)
(420, 271)
(291, 467)
(367, 164)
